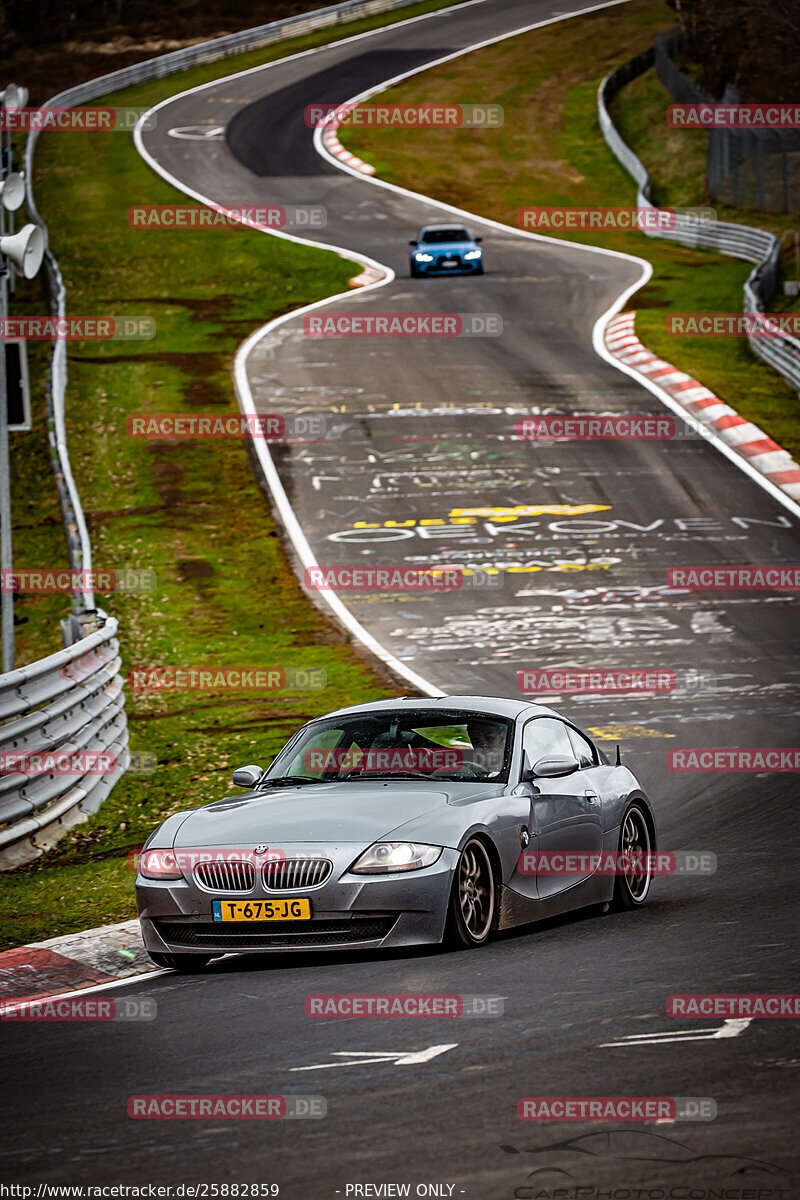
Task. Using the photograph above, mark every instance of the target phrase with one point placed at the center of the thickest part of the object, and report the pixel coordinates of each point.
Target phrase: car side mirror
(480, 239)
(247, 777)
(413, 243)
(555, 766)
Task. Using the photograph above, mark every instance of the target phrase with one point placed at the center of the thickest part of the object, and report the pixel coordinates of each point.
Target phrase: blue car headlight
(424, 257)
(383, 857)
(473, 254)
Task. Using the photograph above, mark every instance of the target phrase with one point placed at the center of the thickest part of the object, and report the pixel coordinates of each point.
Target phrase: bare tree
(754, 44)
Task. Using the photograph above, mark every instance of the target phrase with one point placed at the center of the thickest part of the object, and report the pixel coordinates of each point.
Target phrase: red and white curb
(334, 146)
(331, 142)
(742, 436)
(76, 960)
(368, 275)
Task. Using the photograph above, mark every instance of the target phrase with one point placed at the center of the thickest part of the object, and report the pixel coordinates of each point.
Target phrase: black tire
(414, 273)
(632, 888)
(479, 271)
(188, 963)
(471, 915)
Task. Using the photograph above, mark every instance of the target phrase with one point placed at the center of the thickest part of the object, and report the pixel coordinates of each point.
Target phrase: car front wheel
(472, 899)
(632, 887)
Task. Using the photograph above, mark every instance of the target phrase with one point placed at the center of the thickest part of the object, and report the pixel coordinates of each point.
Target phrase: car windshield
(413, 744)
(444, 235)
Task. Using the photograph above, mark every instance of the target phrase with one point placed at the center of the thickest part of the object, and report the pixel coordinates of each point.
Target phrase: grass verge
(191, 511)
(550, 152)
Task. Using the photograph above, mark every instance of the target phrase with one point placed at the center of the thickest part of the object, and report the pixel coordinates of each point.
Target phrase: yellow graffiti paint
(617, 733)
(469, 516)
(529, 510)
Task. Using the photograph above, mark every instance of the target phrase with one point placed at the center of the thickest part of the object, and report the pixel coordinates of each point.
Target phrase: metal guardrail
(73, 701)
(740, 241)
(70, 704)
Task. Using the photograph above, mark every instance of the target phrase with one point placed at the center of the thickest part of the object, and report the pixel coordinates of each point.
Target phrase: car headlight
(159, 864)
(424, 257)
(473, 254)
(395, 856)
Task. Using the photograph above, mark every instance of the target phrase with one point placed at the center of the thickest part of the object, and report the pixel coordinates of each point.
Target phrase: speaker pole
(6, 551)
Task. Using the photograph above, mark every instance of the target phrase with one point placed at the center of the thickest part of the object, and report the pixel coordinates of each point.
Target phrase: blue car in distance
(446, 250)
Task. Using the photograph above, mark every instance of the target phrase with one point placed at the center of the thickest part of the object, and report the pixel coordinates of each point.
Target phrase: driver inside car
(488, 747)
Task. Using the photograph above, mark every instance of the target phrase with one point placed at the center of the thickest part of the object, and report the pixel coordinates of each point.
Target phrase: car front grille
(458, 263)
(232, 876)
(263, 935)
(295, 873)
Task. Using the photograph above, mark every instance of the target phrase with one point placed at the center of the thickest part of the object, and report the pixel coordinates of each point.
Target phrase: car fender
(163, 838)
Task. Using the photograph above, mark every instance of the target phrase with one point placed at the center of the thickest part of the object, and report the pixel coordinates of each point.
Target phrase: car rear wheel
(631, 888)
(472, 899)
(180, 962)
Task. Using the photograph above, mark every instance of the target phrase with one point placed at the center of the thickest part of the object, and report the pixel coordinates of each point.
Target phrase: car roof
(496, 706)
(450, 226)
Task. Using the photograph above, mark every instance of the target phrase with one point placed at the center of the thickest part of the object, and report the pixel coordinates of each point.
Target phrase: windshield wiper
(289, 779)
(392, 775)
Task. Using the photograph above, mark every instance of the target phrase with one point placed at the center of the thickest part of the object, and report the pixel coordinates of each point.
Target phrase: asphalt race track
(418, 432)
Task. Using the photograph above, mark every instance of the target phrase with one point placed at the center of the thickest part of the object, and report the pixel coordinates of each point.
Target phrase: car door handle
(591, 796)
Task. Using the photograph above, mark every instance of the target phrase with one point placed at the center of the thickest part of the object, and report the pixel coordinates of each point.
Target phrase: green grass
(189, 510)
(550, 152)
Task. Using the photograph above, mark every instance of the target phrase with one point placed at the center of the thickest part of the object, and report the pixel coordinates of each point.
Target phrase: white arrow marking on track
(399, 1058)
(196, 133)
(729, 1029)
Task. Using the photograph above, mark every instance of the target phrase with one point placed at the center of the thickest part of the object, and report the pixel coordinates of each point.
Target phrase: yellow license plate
(261, 910)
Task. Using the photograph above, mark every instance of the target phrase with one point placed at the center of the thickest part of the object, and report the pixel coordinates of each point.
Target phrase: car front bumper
(347, 911)
(466, 268)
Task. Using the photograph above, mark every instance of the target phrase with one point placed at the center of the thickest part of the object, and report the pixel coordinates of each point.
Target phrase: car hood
(321, 812)
(447, 247)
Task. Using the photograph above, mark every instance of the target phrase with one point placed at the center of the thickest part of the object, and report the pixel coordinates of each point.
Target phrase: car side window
(545, 735)
(584, 750)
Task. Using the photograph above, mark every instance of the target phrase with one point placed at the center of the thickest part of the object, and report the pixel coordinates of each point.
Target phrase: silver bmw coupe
(399, 823)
